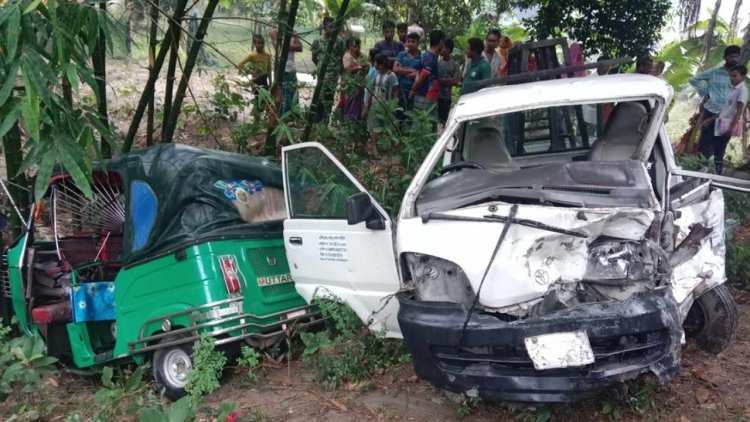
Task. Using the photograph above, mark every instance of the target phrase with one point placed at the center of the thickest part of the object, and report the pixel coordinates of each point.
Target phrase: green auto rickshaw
(175, 242)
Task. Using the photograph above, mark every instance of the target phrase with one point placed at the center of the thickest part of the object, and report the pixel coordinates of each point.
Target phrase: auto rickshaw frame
(203, 268)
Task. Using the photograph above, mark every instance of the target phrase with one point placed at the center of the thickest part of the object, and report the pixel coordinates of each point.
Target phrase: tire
(171, 366)
(712, 320)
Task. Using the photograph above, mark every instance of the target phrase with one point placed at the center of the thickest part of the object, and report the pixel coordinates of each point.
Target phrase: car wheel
(171, 367)
(712, 320)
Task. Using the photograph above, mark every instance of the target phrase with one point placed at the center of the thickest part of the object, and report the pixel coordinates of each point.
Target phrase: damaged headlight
(438, 280)
(614, 260)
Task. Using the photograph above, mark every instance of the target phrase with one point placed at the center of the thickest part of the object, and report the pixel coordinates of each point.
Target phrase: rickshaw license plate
(234, 308)
(274, 279)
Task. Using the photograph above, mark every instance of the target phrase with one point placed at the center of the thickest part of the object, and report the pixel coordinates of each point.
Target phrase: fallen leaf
(684, 419)
(339, 405)
(702, 395)
(412, 379)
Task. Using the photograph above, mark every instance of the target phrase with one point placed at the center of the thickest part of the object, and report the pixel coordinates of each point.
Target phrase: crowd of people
(396, 69)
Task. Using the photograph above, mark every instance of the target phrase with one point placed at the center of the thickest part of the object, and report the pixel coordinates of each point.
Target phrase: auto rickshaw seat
(55, 312)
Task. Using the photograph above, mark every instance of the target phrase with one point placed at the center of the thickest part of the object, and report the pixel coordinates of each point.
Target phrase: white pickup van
(549, 245)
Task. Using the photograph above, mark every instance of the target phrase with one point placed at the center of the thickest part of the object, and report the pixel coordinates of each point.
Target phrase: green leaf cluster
(617, 28)
(208, 364)
(23, 366)
(45, 47)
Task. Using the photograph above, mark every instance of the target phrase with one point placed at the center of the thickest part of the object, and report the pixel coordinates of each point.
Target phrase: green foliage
(467, 405)
(23, 366)
(347, 352)
(123, 395)
(208, 364)
(625, 27)
(250, 360)
(44, 43)
(684, 56)
(611, 410)
(180, 411)
(227, 100)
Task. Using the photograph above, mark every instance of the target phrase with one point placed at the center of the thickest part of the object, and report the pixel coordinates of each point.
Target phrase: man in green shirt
(319, 48)
(478, 69)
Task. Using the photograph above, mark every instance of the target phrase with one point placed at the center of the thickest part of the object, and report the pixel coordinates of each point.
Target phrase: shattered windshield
(566, 155)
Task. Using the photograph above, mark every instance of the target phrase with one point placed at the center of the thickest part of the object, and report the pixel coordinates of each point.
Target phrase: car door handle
(295, 240)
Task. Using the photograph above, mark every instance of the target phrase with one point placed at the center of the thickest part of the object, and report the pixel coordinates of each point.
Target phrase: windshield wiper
(426, 218)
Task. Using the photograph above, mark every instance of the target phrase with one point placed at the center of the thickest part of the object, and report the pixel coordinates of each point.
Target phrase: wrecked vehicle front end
(573, 299)
(543, 266)
(489, 358)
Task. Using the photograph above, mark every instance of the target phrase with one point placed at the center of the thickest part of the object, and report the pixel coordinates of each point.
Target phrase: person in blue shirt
(715, 85)
(388, 46)
(407, 67)
(427, 83)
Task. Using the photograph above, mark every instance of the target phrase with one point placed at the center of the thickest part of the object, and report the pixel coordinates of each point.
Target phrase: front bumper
(627, 337)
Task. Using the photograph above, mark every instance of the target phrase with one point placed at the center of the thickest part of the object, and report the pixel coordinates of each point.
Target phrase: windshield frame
(455, 123)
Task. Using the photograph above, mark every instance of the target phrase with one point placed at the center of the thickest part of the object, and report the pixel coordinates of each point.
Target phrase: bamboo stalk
(174, 27)
(171, 123)
(151, 57)
(13, 153)
(312, 114)
(148, 90)
(286, 32)
(100, 73)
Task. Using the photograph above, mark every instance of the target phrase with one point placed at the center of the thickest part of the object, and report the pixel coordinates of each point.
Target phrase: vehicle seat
(486, 147)
(624, 132)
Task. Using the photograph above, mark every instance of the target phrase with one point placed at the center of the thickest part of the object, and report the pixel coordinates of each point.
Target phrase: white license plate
(294, 314)
(559, 350)
(233, 308)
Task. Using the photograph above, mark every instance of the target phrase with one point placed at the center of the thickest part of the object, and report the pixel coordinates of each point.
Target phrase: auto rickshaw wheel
(171, 367)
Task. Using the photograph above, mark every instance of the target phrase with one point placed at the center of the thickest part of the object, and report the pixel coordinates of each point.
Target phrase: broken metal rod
(530, 76)
(508, 221)
(492, 218)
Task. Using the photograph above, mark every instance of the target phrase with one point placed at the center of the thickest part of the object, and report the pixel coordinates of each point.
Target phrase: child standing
(355, 68)
(729, 122)
(477, 68)
(258, 65)
(382, 88)
(407, 66)
(449, 77)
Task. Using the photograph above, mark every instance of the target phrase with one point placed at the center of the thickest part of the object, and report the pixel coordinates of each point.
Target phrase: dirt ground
(708, 388)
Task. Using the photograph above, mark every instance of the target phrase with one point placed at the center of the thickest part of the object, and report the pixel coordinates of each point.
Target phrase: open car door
(339, 241)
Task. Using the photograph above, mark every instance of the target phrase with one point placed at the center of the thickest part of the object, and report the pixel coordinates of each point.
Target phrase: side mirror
(359, 208)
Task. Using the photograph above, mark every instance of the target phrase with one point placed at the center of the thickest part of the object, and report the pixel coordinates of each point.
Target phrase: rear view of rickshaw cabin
(174, 242)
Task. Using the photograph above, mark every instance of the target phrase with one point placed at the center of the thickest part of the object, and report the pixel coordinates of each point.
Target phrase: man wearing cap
(715, 84)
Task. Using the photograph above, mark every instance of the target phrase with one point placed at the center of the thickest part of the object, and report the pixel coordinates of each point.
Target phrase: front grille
(261, 260)
(5, 277)
(622, 350)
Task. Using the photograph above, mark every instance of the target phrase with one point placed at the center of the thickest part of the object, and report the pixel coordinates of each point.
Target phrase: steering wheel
(459, 165)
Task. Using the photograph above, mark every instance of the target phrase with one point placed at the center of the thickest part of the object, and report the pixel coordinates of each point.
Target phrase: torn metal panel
(705, 269)
(532, 259)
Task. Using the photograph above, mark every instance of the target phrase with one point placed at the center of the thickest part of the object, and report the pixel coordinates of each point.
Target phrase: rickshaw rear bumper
(258, 330)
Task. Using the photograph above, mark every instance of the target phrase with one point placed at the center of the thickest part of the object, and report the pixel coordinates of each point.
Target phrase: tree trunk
(171, 121)
(733, 29)
(285, 34)
(174, 28)
(691, 10)
(312, 114)
(708, 39)
(100, 73)
(745, 54)
(154, 14)
(148, 90)
(13, 158)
